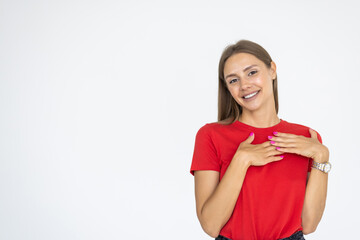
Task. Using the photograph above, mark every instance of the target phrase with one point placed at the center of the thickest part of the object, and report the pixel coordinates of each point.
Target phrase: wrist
(323, 156)
(242, 160)
(321, 159)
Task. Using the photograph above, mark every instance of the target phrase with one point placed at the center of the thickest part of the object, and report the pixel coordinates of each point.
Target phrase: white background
(100, 102)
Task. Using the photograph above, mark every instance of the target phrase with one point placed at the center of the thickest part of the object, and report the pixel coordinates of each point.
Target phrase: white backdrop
(101, 101)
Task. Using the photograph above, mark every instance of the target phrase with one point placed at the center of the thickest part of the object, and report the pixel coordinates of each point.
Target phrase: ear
(273, 70)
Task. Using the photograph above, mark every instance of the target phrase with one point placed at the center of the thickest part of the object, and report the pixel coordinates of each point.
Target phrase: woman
(253, 170)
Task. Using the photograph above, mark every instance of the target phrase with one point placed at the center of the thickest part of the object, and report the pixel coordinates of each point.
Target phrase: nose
(245, 84)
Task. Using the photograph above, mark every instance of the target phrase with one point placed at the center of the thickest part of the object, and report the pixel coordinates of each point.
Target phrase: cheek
(235, 93)
(262, 81)
(233, 89)
(258, 81)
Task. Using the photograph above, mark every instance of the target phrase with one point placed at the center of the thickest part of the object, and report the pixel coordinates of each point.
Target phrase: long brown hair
(227, 106)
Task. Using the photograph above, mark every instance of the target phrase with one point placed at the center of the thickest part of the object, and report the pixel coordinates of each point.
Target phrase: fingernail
(275, 133)
(251, 133)
(277, 148)
(269, 137)
(272, 142)
(282, 156)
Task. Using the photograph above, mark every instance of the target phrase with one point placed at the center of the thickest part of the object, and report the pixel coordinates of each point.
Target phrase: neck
(260, 120)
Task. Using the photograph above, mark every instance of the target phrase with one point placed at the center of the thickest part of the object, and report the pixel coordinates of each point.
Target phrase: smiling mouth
(251, 95)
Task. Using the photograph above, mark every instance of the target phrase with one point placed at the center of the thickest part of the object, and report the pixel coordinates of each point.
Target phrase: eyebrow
(245, 69)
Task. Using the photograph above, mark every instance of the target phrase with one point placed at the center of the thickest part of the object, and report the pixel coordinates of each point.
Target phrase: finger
(273, 152)
(288, 150)
(278, 149)
(288, 135)
(282, 139)
(283, 144)
(251, 137)
(266, 144)
(313, 133)
(276, 158)
(270, 147)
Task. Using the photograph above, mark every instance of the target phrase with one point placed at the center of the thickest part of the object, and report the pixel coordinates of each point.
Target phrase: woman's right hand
(257, 154)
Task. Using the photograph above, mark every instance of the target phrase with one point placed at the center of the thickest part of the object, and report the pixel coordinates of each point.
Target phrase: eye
(252, 72)
(233, 80)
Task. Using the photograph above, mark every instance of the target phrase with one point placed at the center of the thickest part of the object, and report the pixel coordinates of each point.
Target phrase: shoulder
(300, 129)
(223, 124)
(215, 127)
(296, 125)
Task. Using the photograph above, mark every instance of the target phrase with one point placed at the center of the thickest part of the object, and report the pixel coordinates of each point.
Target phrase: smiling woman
(245, 84)
(253, 170)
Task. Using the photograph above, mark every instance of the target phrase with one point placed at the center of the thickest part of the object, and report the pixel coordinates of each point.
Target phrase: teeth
(251, 95)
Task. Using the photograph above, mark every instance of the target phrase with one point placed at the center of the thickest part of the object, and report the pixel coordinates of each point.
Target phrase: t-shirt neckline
(241, 124)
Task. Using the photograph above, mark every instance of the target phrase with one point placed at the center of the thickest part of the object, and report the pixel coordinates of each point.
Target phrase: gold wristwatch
(324, 167)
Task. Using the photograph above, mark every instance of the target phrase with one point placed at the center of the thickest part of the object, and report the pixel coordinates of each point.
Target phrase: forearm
(315, 197)
(219, 207)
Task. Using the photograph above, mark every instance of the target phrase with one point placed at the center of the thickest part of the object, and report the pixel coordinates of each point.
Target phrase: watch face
(327, 167)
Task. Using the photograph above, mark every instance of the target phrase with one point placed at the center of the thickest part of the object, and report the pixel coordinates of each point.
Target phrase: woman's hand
(257, 154)
(306, 146)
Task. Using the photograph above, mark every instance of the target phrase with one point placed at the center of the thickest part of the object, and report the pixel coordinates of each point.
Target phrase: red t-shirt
(271, 199)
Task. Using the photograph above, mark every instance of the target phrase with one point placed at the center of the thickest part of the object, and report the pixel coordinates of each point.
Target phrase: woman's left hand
(306, 146)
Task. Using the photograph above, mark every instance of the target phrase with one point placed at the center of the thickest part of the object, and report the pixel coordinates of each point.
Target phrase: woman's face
(245, 74)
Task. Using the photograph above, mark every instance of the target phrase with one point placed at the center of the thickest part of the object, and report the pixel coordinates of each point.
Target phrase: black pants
(296, 236)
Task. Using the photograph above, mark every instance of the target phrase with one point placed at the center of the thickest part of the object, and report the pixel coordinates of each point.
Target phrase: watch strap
(321, 166)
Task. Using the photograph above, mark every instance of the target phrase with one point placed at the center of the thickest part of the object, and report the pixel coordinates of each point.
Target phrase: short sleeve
(311, 160)
(205, 156)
